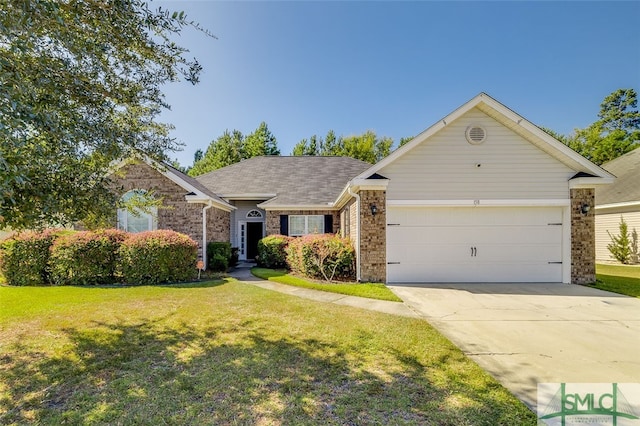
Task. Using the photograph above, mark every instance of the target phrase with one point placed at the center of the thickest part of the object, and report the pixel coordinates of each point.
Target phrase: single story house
(483, 195)
(617, 201)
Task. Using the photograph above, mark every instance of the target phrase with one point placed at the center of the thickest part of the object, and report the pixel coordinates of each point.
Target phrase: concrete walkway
(243, 273)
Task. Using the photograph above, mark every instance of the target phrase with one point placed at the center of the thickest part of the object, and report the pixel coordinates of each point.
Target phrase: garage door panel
(452, 272)
(474, 244)
(428, 235)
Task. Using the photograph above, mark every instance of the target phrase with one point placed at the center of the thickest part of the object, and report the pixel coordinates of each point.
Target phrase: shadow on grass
(177, 285)
(153, 373)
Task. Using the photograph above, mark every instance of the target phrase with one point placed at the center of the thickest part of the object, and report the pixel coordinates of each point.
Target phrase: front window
(138, 220)
(303, 225)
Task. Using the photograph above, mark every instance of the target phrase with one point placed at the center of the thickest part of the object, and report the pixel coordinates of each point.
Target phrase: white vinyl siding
(302, 225)
(474, 244)
(611, 222)
(243, 207)
(445, 167)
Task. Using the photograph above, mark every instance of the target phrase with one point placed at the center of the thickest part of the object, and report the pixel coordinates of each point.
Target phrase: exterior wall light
(374, 209)
(585, 208)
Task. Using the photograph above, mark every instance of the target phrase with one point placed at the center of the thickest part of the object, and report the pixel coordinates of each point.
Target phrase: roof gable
(196, 192)
(512, 121)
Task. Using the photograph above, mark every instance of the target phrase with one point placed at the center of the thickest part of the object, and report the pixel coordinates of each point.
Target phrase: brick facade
(583, 246)
(175, 213)
(373, 236)
(272, 222)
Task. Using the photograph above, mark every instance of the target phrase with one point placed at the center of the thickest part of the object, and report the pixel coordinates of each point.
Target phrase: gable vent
(475, 134)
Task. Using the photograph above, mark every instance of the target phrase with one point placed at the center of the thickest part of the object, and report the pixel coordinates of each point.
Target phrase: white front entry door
(474, 244)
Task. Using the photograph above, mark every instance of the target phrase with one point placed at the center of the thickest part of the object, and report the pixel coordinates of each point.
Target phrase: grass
(230, 353)
(369, 290)
(623, 279)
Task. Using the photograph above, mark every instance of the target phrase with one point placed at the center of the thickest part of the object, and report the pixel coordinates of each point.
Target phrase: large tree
(616, 132)
(79, 88)
(225, 150)
(233, 147)
(366, 147)
(261, 142)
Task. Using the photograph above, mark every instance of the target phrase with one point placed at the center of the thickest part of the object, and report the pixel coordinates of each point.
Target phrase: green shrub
(624, 247)
(218, 256)
(24, 257)
(272, 251)
(85, 257)
(324, 256)
(158, 257)
(218, 263)
(235, 256)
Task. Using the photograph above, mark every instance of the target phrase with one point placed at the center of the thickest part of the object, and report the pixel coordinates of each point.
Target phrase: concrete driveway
(523, 334)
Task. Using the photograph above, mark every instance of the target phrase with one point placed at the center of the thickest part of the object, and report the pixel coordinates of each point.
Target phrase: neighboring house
(620, 200)
(483, 195)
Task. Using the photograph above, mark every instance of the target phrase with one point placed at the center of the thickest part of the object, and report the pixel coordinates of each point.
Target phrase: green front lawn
(623, 279)
(369, 290)
(229, 353)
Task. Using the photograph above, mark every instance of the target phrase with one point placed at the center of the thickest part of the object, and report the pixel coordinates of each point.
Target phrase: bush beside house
(155, 257)
(101, 257)
(24, 257)
(82, 258)
(220, 256)
(272, 251)
(319, 256)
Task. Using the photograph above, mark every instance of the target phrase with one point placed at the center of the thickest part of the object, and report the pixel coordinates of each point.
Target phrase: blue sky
(396, 67)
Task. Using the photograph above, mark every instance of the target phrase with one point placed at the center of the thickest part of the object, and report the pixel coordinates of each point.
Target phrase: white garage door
(474, 244)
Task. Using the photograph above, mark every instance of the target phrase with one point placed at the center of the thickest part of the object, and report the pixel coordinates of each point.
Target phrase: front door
(254, 234)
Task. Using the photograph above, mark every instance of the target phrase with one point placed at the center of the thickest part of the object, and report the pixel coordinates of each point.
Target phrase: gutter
(357, 197)
(204, 233)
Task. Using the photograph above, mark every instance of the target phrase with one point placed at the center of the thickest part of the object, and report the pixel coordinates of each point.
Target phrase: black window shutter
(328, 224)
(284, 224)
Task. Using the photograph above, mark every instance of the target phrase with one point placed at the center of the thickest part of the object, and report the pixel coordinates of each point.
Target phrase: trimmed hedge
(322, 256)
(24, 258)
(66, 257)
(83, 258)
(219, 256)
(155, 257)
(272, 251)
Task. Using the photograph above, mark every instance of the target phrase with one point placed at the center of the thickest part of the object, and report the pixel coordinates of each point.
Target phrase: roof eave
(359, 184)
(590, 182)
(247, 196)
(198, 199)
(618, 205)
(297, 206)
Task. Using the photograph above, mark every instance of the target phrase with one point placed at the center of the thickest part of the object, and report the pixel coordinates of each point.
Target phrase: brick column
(373, 236)
(583, 245)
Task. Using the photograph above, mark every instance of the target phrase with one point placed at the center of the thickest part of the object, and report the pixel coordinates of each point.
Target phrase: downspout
(357, 197)
(204, 233)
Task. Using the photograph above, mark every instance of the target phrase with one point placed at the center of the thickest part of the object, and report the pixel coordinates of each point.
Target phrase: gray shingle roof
(626, 188)
(193, 182)
(297, 181)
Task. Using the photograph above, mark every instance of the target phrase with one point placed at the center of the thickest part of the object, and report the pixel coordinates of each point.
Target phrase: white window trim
(254, 211)
(151, 215)
(306, 224)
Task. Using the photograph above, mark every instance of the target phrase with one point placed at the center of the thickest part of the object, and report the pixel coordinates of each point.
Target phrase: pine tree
(620, 246)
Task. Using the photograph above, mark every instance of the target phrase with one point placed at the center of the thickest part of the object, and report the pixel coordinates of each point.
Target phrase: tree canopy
(79, 88)
(616, 132)
(366, 147)
(232, 147)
